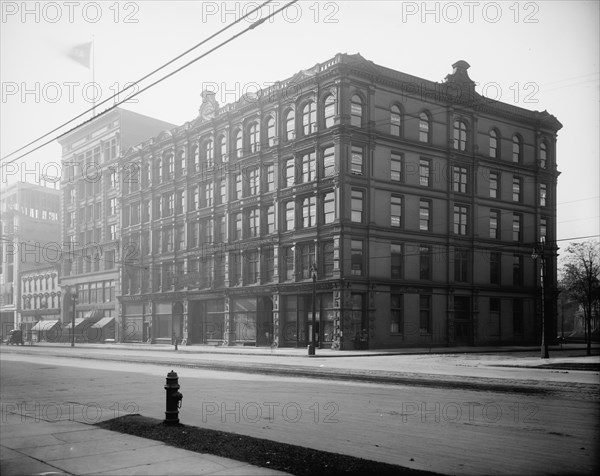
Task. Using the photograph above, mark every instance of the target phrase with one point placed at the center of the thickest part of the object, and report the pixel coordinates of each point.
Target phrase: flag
(82, 54)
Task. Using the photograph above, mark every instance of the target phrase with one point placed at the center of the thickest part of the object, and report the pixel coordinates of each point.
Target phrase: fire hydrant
(174, 398)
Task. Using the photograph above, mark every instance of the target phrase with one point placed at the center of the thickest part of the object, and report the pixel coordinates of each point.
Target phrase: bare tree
(581, 279)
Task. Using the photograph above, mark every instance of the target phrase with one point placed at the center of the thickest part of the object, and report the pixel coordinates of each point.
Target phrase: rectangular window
(424, 215)
(237, 226)
(543, 228)
(328, 259)
(180, 237)
(543, 196)
(238, 188)
(396, 167)
(516, 189)
(396, 211)
(517, 270)
(270, 214)
(396, 261)
(209, 191)
(168, 240)
(425, 262)
(329, 208)
(289, 172)
(396, 315)
(252, 267)
(287, 263)
(235, 269)
(309, 212)
(425, 314)
(495, 258)
(268, 259)
(290, 212)
(494, 225)
(270, 178)
(222, 191)
(307, 259)
(459, 179)
(329, 162)
(460, 219)
(309, 167)
(208, 231)
(253, 182)
(221, 229)
(357, 204)
(516, 227)
(494, 184)
(461, 266)
(357, 257)
(424, 175)
(253, 222)
(357, 162)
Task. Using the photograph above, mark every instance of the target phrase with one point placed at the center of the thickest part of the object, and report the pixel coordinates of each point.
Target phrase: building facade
(30, 237)
(416, 203)
(91, 185)
(40, 298)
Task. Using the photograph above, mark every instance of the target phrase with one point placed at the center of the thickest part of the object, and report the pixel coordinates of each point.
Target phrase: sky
(537, 55)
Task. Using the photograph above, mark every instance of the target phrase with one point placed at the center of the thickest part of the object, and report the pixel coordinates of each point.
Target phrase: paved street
(527, 420)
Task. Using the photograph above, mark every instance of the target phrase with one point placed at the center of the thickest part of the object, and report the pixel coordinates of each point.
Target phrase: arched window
(460, 135)
(196, 156)
(254, 137)
(517, 149)
(309, 118)
(543, 155)
(493, 144)
(168, 166)
(222, 141)
(395, 120)
(424, 127)
(329, 111)
(270, 131)
(181, 161)
(356, 111)
(237, 143)
(290, 128)
(209, 152)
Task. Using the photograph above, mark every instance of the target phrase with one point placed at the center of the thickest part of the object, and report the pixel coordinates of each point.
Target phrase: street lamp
(539, 251)
(73, 293)
(311, 346)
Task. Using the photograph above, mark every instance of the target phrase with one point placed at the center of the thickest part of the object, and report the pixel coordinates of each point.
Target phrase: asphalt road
(451, 431)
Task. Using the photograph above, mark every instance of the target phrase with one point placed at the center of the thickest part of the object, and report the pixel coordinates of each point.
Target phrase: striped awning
(44, 325)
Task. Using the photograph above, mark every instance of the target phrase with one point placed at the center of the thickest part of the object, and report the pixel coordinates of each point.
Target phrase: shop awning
(105, 321)
(78, 322)
(44, 325)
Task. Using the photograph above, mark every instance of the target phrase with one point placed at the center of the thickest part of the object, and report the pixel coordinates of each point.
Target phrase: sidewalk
(30, 446)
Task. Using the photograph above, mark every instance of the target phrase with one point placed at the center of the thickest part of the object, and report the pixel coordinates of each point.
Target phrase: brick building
(418, 203)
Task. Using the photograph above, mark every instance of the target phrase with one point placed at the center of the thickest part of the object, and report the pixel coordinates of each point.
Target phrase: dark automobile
(15, 337)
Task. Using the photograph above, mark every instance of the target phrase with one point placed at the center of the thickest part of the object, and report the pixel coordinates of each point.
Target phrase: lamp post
(539, 251)
(312, 346)
(73, 292)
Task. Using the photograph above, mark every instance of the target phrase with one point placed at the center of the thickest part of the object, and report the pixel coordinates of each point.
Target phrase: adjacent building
(30, 238)
(93, 174)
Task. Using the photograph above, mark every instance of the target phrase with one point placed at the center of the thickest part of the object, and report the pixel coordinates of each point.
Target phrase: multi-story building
(40, 299)
(416, 204)
(91, 185)
(30, 237)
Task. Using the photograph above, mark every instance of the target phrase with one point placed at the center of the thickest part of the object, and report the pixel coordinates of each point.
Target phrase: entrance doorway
(463, 323)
